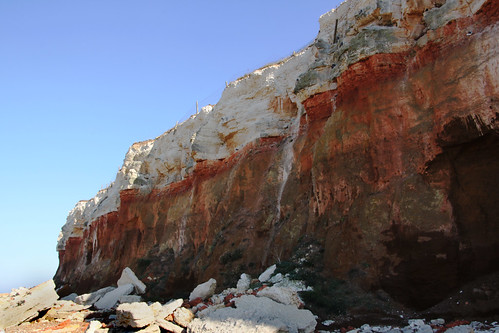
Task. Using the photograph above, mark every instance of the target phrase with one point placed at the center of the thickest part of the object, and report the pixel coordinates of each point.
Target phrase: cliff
(377, 145)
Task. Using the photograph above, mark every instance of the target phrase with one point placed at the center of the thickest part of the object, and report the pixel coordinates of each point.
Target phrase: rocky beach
(270, 303)
(350, 187)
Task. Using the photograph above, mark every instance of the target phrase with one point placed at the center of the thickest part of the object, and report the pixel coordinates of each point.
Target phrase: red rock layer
(395, 175)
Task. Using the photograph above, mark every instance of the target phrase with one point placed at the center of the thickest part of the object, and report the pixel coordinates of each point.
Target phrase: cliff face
(378, 142)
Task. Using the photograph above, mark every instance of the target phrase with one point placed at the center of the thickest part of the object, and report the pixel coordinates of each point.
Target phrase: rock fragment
(243, 283)
(64, 310)
(130, 299)
(169, 326)
(110, 299)
(94, 326)
(265, 276)
(168, 308)
(129, 277)
(460, 329)
(91, 298)
(281, 295)
(254, 314)
(438, 321)
(204, 290)
(70, 297)
(135, 315)
(183, 316)
(151, 329)
(23, 304)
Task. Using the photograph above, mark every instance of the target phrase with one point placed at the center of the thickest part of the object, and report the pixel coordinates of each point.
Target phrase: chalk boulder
(91, 298)
(129, 277)
(204, 290)
(281, 295)
(109, 300)
(135, 315)
(167, 309)
(183, 316)
(255, 314)
(169, 326)
(130, 299)
(265, 276)
(23, 304)
(243, 283)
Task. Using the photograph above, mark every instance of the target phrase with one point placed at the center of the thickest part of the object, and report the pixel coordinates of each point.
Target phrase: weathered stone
(70, 297)
(134, 315)
(243, 283)
(204, 290)
(91, 298)
(169, 326)
(130, 299)
(183, 316)
(265, 276)
(110, 299)
(94, 326)
(129, 277)
(420, 326)
(255, 314)
(23, 304)
(460, 329)
(64, 310)
(439, 321)
(281, 295)
(163, 311)
(150, 329)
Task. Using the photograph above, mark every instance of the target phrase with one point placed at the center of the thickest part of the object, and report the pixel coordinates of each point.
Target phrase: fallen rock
(254, 314)
(170, 327)
(438, 321)
(280, 280)
(460, 329)
(183, 316)
(94, 326)
(110, 299)
(156, 308)
(130, 299)
(281, 295)
(129, 277)
(420, 326)
(150, 329)
(135, 315)
(91, 298)
(66, 310)
(204, 290)
(243, 283)
(265, 276)
(276, 278)
(23, 304)
(70, 297)
(168, 308)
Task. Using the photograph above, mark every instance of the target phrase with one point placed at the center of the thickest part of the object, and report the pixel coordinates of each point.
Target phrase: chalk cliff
(378, 143)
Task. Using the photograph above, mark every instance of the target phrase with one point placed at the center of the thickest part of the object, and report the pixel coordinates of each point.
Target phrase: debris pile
(268, 304)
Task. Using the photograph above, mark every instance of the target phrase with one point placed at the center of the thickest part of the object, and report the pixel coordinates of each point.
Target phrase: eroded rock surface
(255, 314)
(379, 141)
(23, 304)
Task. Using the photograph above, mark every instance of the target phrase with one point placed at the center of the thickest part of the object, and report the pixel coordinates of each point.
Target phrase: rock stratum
(377, 145)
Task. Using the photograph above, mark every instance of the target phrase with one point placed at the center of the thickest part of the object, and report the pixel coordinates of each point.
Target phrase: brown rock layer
(394, 173)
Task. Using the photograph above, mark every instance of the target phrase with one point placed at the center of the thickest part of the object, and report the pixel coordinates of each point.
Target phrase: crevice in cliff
(285, 170)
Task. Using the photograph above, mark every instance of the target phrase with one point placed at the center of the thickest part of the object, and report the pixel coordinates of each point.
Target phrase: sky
(82, 80)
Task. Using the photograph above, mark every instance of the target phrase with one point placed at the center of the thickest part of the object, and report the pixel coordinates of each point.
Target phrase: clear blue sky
(82, 80)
